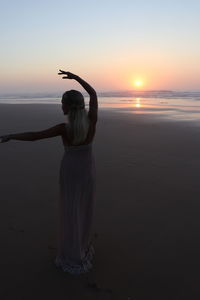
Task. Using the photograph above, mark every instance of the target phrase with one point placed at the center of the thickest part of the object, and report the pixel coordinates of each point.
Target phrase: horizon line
(98, 92)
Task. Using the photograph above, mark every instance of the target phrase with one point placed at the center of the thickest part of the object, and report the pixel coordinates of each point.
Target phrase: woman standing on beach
(77, 178)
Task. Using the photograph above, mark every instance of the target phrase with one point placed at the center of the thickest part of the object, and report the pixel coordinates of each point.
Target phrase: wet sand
(146, 215)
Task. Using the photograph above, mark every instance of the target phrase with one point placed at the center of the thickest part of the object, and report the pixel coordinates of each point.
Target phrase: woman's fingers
(4, 139)
(62, 72)
(69, 75)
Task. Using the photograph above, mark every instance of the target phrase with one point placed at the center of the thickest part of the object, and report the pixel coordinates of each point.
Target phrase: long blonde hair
(77, 116)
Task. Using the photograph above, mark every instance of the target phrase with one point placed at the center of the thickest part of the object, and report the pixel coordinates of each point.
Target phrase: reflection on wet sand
(162, 109)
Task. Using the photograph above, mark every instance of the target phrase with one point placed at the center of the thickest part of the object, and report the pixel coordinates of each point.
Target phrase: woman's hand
(5, 138)
(69, 75)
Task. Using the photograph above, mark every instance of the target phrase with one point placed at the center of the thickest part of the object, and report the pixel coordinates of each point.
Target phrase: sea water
(175, 105)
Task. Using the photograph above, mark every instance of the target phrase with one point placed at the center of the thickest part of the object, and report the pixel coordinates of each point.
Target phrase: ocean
(174, 105)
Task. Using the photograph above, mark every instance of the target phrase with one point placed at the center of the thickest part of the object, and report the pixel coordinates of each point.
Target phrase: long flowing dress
(77, 182)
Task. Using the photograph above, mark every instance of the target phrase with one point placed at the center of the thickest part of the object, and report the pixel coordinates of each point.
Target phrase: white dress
(77, 182)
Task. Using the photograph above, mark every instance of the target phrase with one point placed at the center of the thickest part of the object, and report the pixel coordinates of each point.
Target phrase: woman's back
(89, 138)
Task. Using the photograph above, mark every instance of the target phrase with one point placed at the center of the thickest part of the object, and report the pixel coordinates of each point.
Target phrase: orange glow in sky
(159, 53)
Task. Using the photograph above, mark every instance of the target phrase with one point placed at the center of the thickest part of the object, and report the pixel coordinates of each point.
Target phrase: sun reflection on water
(138, 104)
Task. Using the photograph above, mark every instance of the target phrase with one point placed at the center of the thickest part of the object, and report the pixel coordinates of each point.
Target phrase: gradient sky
(109, 43)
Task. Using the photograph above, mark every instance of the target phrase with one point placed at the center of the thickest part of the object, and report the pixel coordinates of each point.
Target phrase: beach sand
(146, 214)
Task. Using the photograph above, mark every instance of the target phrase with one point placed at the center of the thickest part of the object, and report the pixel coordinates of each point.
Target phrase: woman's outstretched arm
(34, 135)
(93, 104)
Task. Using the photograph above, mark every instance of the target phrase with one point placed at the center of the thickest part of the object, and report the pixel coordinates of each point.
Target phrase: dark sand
(146, 216)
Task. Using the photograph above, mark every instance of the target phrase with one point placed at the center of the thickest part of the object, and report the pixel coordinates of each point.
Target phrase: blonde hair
(77, 116)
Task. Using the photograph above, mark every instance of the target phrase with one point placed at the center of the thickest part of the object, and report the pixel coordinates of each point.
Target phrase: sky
(109, 43)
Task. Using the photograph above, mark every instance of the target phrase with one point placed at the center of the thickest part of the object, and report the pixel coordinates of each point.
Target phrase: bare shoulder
(59, 128)
(61, 125)
(62, 128)
(50, 132)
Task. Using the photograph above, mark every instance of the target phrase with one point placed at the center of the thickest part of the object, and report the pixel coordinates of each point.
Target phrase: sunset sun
(138, 83)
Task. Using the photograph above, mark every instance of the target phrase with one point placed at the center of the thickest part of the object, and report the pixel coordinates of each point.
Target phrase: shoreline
(169, 113)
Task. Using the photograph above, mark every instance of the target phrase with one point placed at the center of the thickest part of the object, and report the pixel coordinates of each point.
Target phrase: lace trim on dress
(84, 267)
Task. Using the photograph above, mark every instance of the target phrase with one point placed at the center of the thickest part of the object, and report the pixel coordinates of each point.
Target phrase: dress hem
(76, 269)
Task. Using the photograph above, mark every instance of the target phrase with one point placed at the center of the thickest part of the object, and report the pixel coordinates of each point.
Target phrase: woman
(77, 178)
